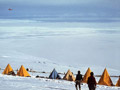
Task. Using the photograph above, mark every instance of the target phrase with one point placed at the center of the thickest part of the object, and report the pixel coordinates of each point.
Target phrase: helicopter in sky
(10, 9)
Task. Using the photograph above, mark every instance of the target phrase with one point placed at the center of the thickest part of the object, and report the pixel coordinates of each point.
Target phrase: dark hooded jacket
(91, 81)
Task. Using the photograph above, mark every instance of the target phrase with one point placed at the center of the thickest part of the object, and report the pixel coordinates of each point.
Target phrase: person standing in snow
(91, 82)
(78, 80)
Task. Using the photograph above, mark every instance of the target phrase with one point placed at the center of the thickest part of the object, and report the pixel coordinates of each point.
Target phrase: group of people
(91, 81)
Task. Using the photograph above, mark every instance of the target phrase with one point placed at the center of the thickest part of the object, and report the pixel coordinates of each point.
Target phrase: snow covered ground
(43, 46)
(21, 83)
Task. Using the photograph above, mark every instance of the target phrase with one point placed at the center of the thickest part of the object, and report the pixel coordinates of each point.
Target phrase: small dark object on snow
(27, 69)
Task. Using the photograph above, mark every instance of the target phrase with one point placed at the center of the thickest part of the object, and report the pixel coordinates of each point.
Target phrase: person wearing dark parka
(91, 82)
(78, 80)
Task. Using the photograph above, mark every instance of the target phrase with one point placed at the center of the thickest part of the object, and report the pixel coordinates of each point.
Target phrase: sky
(60, 2)
(80, 8)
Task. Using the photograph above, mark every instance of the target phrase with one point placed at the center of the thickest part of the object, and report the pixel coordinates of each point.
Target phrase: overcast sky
(61, 2)
(66, 7)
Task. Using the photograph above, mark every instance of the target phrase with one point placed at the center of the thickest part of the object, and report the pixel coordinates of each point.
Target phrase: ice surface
(43, 46)
(13, 83)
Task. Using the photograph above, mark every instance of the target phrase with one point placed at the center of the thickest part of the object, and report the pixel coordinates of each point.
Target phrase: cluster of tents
(21, 72)
(104, 79)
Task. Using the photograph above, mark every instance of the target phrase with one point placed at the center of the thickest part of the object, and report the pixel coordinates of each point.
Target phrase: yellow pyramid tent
(8, 70)
(118, 83)
(22, 72)
(105, 79)
(69, 76)
(87, 74)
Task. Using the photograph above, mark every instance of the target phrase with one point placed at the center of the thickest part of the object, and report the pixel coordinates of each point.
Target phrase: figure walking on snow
(78, 80)
(91, 82)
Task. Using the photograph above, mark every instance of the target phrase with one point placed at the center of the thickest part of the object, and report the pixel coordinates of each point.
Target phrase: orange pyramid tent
(105, 79)
(8, 70)
(22, 72)
(69, 76)
(87, 74)
(118, 83)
